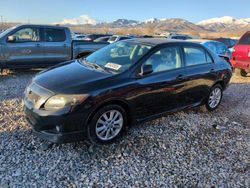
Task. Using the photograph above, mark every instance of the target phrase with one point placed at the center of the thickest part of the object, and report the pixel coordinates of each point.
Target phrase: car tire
(214, 98)
(107, 124)
(243, 73)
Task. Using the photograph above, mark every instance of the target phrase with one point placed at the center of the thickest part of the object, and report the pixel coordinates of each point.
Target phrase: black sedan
(121, 84)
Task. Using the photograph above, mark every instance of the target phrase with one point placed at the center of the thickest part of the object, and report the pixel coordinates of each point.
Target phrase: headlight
(60, 101)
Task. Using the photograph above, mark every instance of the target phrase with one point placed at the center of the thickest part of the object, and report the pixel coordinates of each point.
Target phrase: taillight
(233, 50)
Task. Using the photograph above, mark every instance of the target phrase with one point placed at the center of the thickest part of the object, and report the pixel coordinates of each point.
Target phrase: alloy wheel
(109, 125)
(215, 98)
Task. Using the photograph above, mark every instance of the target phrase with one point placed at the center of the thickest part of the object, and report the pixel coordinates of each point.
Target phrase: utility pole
(2, 21)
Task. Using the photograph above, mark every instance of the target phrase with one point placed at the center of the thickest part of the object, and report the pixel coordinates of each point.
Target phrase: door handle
(180, 77)
(212, 70)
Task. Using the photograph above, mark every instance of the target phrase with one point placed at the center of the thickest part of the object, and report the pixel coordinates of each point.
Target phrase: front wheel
(107, 124)
(214, 99)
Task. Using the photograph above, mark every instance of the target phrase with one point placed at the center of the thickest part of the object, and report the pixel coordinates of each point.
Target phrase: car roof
(38, 25)
(121, 36)
(202, 41)
(104, 37)
(155, 41)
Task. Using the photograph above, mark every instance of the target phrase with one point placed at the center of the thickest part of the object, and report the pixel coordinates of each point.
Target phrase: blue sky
(50, 11)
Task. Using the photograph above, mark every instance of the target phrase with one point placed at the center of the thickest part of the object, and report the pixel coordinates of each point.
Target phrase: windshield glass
(119, 56)
(5, 32)
(112, 39)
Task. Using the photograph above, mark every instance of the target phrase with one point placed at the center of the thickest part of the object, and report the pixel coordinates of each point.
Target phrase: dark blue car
(218, 48)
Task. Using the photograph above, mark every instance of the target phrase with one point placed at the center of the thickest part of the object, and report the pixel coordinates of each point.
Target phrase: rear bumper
(57, 128)
(240, 64)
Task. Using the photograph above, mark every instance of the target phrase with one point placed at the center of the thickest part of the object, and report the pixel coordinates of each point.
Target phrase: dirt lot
(189, 148)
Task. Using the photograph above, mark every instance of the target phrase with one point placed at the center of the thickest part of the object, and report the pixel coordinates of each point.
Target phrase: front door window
(167, 58)
(27, 35)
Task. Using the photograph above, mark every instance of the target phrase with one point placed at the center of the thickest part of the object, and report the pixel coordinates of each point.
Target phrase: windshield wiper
(95, 65)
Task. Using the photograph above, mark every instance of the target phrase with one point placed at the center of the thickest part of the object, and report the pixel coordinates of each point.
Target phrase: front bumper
(60, 138)
(59, 127)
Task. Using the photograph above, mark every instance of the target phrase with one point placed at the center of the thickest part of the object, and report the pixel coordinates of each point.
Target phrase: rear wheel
(107, 124)
(243, 73)
(214, 99)
(240, 72)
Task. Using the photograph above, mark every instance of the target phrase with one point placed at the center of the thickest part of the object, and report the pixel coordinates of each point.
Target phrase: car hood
(69, 77)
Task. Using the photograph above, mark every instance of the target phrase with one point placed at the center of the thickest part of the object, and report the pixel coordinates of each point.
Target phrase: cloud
(83, 19)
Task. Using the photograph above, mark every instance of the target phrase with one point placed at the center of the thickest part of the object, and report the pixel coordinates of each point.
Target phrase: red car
(241, 55)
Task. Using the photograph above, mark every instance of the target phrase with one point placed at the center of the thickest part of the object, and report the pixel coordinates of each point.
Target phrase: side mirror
(11, 39)
(146, 69)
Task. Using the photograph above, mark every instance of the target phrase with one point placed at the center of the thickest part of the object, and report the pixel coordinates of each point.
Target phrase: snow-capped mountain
(222, 24)
(151, 20)
(225, 23)
(173, 24)
(83, 19)
(124, 23)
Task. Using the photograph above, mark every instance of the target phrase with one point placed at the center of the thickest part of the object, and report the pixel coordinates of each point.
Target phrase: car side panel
(241, 56)
(199, 81)
(22, 53)
(157, 93)
(56, 52)
(241, 53)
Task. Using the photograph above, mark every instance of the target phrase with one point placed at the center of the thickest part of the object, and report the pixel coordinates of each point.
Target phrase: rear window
(179, 37)
(245, 39)
(196, 56)
(124, 38)
(55, 35)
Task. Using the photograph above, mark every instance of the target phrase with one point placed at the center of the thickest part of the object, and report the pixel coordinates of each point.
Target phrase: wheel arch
(221, 83)
(119, 102)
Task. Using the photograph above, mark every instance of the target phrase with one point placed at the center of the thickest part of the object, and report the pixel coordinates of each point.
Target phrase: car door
(200, 73)
(159, 91)
(57, 46)
(26, 49)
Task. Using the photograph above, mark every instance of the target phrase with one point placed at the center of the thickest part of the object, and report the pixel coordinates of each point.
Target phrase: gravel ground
(186, 149)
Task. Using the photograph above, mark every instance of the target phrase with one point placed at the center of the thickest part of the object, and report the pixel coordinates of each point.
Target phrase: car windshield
(245, 39)
(112, 39)
(6, 32)
(119, 56)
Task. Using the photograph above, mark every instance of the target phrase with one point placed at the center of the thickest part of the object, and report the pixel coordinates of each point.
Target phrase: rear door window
(196, 56)
(55, 35)
(245, 39)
